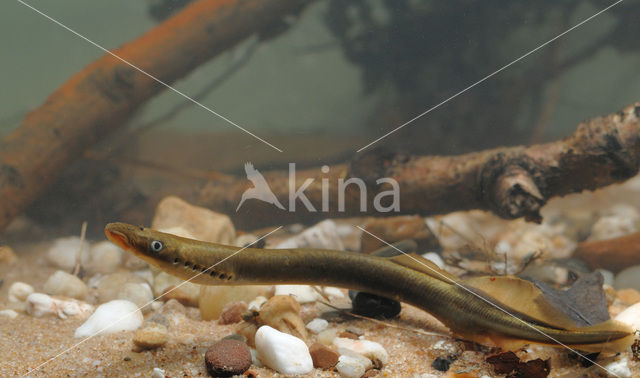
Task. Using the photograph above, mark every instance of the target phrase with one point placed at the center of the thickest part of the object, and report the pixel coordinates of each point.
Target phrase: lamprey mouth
(117, 236)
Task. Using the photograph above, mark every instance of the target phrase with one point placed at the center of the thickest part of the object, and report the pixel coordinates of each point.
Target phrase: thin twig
(83, 233)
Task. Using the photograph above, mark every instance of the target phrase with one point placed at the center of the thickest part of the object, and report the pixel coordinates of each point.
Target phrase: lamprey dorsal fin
(523, 295)
(423, 265)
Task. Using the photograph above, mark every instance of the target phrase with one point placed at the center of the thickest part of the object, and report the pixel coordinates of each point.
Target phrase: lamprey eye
(156, 246)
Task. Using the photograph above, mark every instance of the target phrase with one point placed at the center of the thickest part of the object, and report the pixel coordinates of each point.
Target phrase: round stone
(227, 357)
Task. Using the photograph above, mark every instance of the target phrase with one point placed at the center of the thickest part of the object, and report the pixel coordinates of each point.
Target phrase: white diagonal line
(489, 302)
(149, 75)
(490, 75)
(148, 303)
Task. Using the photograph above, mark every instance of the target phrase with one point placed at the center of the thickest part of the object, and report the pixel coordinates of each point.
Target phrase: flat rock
(323, 357)
(282, 352)
(114, 316)
(151, 336)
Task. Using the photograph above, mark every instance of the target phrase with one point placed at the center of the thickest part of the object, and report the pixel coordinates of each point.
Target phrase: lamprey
(476, 309)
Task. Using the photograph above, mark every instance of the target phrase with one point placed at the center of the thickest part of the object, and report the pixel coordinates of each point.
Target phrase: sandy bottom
(47, 344)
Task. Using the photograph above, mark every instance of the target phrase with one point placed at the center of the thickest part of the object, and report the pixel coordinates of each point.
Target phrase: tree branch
(512, 182)
(101, 97)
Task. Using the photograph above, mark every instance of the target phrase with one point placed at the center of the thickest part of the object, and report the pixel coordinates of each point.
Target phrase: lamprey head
(150, 245)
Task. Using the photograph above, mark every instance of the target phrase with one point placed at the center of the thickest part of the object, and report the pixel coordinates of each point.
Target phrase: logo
(261, 191)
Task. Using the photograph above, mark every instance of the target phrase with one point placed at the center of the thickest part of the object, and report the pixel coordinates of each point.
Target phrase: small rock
(227, 358)
(214, 298)
(619, 368)
(322, 356)
(105, 257)
(65, 285)
(301, 293)
(114, 316)
(322, 235)
(442, 363)
(621, 220)
(326, 337)
(151, 336)
(232, 313)
(282, 352)
(628, 296)
(7, 256)
(630, 316)
(369, 349)
(158, 373)
(138, 293)
(19, 291)
(395, 229)
(109, 287)
(317, 325)
(9, 313)
(355, 330)
(202, 223)
(39, 305)
(283, 313)
(248, 331)
(375, 306)
(628, 278)
(64, 251)
(348, 335)
(351, 367)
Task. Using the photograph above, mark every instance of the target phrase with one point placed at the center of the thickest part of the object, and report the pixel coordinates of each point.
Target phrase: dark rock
(323, 357)
(443, 363)
(232, 313)
(227, 358)
(375, 306)
(348, 335)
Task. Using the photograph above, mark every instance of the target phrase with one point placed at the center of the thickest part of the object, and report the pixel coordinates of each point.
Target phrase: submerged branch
(103, 96)
(512, 182)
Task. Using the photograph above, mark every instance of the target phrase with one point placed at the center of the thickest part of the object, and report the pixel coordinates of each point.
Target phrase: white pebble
(117, 315)
(301, 293)
(64, 251)
(158, 373)
(317, 325)
(350, 366)
(9, 313)
(369, 349)
(65, 285)
(282, 352)
(39, 305)
(333, 292)
(434, 258)
(630, 316)
(322, 235)
(105, 257)
(619, 368)
(326, 337)
(19, 291)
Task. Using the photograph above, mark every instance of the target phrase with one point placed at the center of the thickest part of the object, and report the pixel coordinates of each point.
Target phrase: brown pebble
(7, 256)
(348, 335)
(628, 296)
(152, 336)
(232, 313)
(323, 357)
(227, 358)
